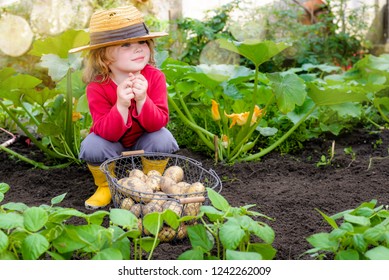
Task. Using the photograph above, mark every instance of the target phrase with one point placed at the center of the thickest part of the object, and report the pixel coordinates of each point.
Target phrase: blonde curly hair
(97, 61)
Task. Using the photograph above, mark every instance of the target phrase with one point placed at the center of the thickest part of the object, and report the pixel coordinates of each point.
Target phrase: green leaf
(62, 214)
(82, 104)
(7, 256)
(124, 218)
(4, 187)
(61, 44)
(328, 219)
(121, 243)
(65, 243)
(96, 218)
(108, 254)
(40, 96)
(263, 231)
(14, 87)
(147, 243)
(199, 238)
(58, 199)
(348, 254)
(50, 129)
(171, 218)
(3, 241)
(289, 90)
(6, 72)
(212, 213)
(255, 50)
(322, 241)
(15, 206)
(33, 246)
(217, 200)
(59, 67)
(378, 253)
(35, 218)
(237, 255)
(153, 222)
(374, 234)
(231, 234)
(332, 95)
(266, 250)
(359, 242)
(193, 254)
(359, 220)
(11, 220)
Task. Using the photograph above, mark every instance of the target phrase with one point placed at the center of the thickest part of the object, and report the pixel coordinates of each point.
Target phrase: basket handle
(195, 199)
(132, 153)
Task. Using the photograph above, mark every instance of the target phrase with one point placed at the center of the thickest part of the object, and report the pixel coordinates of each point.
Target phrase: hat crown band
(128, 32)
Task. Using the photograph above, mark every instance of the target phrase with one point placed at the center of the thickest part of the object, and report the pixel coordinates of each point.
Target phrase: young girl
(127, 95)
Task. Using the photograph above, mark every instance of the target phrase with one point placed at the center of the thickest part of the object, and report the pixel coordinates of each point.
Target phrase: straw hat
(117, 26)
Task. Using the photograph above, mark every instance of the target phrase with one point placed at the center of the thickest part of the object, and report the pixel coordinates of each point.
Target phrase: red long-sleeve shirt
(109, 124)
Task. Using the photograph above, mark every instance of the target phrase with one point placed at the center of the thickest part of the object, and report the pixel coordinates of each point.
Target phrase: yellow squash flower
(76, 116)
(241, 119)
(215, 111)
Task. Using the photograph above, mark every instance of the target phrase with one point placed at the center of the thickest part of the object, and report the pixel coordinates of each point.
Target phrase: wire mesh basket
(138, 182)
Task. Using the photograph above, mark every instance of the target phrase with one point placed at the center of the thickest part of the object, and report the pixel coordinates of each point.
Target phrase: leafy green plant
(52, 117)
(233, 95)
(324, 160)
(44, 232)
(357, 234)
(229, 233)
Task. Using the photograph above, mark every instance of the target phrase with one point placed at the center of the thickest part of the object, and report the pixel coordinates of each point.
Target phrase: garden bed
(287, 188)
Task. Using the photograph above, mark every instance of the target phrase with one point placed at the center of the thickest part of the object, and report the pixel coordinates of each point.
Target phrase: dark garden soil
(287, 188)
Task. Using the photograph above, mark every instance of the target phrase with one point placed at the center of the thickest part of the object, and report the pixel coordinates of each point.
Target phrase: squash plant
(238, 101)
(50, 117)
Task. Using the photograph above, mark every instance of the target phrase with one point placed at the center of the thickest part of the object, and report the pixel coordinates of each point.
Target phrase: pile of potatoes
(156, 192)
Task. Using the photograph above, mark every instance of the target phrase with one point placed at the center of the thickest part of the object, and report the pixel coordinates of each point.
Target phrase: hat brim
(152, 35)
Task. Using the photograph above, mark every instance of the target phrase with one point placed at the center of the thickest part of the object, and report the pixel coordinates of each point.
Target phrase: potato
(196, 188)
(183, 186)
(166, 234)
(153, 173)
(174, 172)
(141, 228)
(137, 210)
(152, 207)
(127, 203)
(138, 173)
(167, 185)
(154, 182)
(173, 205)
(137, 189)
(159, 198)
(181, 232)
(191, 209)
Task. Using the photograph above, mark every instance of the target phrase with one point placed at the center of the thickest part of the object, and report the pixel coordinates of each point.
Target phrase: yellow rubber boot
(102, 196)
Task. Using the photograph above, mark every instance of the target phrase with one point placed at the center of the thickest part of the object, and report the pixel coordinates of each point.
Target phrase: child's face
(129, 57)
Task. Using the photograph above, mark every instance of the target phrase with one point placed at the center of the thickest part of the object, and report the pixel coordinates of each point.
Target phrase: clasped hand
(133, 87)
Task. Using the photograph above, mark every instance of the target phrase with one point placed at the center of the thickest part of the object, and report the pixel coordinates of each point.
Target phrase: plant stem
(279, 141)
(155, 240)
(28, 134)
(32, 162)
(69, 111)
(193, 126)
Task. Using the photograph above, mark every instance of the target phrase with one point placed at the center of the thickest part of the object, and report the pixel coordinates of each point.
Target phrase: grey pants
(95, 150)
